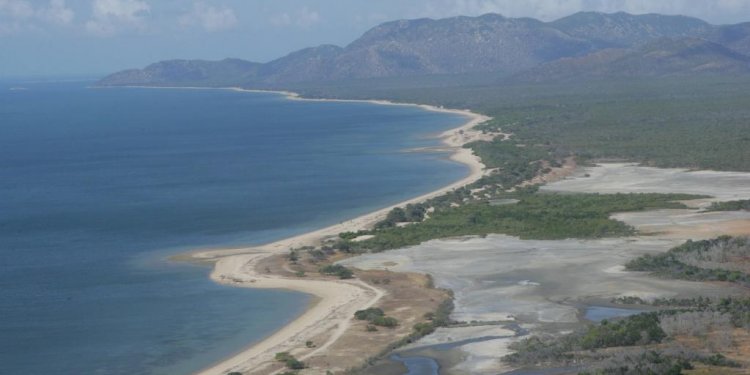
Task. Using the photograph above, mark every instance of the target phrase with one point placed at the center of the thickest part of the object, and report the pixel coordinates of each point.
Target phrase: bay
(98, 187)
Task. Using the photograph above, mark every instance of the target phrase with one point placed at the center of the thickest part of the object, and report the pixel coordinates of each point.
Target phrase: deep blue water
(99, 186)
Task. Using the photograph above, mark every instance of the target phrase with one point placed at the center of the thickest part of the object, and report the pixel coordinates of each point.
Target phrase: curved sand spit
(336, 301)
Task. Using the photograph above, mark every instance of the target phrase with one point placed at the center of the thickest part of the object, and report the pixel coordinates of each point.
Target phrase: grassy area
(535, 216)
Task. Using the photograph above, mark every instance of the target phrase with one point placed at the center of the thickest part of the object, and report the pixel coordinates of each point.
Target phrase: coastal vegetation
(512, 162)
(684, 334)
(534, 216)
(697, 120)
(337, 270)
(376, 317)
(720, 259)
(656, 342)
(289, 361)
(736, 310)
(588, 122)
(438, 318)
(435, 320)
(641, 329)
(739, 205)
(659, 332)
(636, 119)
(655, 362)
(700, 301)
(369, 314)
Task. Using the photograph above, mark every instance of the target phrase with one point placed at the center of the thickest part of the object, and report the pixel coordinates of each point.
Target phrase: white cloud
(57, 13)
(16, 9)
(528, 8)
(209, 17)
(302, 17)
(109, 16)
(21, 15)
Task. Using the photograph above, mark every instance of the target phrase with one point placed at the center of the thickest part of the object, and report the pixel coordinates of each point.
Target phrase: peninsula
(601, 148)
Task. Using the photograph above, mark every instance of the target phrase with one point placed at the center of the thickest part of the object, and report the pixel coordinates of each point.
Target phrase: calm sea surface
(99, 186)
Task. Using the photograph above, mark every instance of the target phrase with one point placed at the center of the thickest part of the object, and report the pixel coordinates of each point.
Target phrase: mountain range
(585, 44)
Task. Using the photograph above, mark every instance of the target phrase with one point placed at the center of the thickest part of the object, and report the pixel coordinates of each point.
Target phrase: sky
(57, 38)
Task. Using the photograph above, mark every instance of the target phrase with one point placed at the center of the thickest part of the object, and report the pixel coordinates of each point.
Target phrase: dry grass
(409, 296)
(732, 343)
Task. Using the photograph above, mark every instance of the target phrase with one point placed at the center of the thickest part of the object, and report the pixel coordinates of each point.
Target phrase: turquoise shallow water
(99, 186)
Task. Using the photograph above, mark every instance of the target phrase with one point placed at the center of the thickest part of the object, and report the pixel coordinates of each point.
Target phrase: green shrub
(294, 364)
(385, 321)
(337, 270)
(369, 314)
(673, 263)
(730, 206)
(424, 329)
(376, 317)
(638, 329)
(289, 360)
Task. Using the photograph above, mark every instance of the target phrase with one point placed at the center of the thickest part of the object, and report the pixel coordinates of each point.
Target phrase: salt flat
(504, 278)
(611, 178)
(548, 283)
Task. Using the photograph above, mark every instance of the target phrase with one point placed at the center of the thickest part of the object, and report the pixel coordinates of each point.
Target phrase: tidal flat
(548, 286)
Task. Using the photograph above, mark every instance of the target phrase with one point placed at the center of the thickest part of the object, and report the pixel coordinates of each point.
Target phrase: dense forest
(699, 122)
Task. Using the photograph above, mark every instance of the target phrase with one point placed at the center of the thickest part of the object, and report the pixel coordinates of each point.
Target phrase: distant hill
(736, 37)
(580, 45)
(623, 30)
(226, 72)
(660, 58)
(455, 45)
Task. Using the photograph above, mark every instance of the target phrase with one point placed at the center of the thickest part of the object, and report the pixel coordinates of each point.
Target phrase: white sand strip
(336, 303)
(337, 300)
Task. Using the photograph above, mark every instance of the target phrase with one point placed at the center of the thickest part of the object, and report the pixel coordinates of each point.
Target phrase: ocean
(99, 187)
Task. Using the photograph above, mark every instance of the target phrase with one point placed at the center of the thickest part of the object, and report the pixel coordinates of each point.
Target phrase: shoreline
(334, 301)
(452, 139)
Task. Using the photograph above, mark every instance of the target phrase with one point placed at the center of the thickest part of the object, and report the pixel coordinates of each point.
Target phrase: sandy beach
(336, 301)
